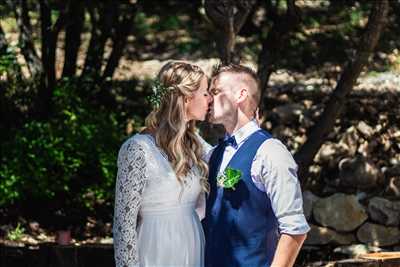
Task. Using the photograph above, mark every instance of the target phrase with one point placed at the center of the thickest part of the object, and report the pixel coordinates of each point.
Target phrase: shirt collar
(243, 133)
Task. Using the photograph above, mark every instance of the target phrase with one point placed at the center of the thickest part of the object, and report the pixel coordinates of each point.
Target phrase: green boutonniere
(229, 178)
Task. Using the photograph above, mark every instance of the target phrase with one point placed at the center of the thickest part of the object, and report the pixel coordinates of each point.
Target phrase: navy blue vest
(240, 226)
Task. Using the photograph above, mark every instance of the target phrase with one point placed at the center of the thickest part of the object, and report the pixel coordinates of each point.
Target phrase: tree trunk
(48, 51)
(49, 34)
(25, 37)
(123, 29)
(228, 17)
(101, 17)
(317, 134)
(275, 41)
(76, 17)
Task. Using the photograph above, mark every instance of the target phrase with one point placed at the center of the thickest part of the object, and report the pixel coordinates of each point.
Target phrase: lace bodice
(146, 182)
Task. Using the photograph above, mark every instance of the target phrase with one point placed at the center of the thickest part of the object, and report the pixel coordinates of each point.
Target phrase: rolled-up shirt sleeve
(275, 172)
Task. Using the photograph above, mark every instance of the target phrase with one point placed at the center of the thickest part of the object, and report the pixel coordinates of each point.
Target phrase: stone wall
(352, 224)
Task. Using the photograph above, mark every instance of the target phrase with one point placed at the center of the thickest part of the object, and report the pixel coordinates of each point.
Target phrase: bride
(162, 177)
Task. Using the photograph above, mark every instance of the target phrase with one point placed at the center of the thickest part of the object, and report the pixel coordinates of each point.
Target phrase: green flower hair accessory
(229, 178)
(159, 91)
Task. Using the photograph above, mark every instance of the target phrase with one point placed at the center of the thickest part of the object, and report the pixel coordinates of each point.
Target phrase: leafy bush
(70, 158)
(16, 234)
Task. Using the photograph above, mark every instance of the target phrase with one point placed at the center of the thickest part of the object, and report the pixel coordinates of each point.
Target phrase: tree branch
(244, 9)
(317, 134)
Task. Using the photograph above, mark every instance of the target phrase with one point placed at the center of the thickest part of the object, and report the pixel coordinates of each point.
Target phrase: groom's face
(224, 104)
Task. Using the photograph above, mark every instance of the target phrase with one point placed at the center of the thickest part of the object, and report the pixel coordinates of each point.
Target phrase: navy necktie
(229, 141)
(216, 158)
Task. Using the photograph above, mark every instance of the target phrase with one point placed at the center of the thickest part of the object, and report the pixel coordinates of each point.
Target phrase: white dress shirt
(274, 172)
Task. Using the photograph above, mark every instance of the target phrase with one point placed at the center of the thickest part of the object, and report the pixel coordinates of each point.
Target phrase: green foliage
(141, 25)
(8, 64)
(171, 22)
(70, 156)
(188, 47)
(16, 234)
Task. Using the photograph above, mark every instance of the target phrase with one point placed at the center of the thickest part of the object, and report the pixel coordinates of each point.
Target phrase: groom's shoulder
(273, 149)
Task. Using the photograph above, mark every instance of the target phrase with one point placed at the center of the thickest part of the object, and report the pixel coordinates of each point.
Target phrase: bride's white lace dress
(156, 220)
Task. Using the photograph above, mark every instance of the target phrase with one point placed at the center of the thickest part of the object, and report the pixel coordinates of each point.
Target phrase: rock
(359, 173)
(288, 113)
(378, 235)
(306, 121)
(393, 187)
(34, 227)
(322, 236)
(384, 211)
(356, 249)
(350, 140)
(331, 152)
(367, 148)
(393, 171)
(339, 211)
(365, 129)
(308, 201)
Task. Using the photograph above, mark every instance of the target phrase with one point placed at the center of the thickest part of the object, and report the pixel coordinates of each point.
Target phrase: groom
(259, 222)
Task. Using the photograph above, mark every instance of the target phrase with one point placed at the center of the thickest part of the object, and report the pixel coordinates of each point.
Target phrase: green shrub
(73, 154)
(16, 234)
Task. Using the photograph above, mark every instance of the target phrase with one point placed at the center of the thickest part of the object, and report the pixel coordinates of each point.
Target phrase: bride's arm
(207, 148)
(201, 201)
(131, 180)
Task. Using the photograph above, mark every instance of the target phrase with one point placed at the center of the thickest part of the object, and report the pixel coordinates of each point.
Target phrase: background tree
(284, 17)
(108, 21)
(228, 16)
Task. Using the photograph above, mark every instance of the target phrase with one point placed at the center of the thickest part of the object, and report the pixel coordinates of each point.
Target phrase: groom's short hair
(247, 74)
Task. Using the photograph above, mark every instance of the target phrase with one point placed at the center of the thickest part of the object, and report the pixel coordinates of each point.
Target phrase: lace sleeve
(131, 180)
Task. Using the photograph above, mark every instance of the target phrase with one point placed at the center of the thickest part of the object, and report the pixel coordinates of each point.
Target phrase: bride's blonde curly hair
(177, 138)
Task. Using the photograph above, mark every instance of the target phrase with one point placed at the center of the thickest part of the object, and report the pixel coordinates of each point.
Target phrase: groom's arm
(287, 250)
(278, 171)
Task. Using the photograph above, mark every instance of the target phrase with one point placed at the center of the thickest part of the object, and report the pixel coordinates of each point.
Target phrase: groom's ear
(242, 96)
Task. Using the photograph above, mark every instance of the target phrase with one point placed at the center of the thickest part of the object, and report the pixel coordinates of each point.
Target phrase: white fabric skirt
(171, 237)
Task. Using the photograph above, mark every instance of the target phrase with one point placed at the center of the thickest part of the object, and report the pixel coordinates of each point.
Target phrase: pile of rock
(352, 224)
